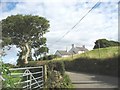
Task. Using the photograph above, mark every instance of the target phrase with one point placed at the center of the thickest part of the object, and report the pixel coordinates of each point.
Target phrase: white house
(62, 53)
(77, 50)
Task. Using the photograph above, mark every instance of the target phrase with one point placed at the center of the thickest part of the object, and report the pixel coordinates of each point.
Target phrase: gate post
(44, 73)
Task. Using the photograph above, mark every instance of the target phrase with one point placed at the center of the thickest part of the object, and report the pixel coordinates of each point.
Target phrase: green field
(101, 53)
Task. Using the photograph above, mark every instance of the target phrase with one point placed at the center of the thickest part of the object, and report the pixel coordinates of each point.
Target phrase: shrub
(57, 65)
(9, 81)
(67, 82)
(48, 57)
(56, 76)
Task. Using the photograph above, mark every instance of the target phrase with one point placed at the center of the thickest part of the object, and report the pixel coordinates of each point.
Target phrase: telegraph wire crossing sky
(98, 3)
(101, 22)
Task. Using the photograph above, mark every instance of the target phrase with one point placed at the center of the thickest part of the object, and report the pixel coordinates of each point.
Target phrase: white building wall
(65, 55)
(80, 52)
(58, 54)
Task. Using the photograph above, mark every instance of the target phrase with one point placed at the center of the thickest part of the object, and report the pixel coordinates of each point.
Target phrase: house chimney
(72, 45)
(83, 46)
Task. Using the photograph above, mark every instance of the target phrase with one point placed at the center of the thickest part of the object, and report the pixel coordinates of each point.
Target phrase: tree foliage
(40, 51)
(48, 57)
(26, 32)
(103, 43)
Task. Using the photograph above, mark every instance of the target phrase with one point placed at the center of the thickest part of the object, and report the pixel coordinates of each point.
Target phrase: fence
(31, 77)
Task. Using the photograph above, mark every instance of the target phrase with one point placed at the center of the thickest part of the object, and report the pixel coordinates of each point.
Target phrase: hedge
(98, 66)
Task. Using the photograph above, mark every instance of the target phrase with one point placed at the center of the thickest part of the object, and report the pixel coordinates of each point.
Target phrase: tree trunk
(25, 53)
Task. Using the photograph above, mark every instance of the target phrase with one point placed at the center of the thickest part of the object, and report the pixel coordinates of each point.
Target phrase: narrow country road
(83, 80)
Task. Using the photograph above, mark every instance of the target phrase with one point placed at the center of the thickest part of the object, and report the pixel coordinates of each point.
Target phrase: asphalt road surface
(83, 80)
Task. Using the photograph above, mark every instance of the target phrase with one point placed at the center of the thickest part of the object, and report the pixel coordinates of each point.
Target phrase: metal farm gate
(31, 77)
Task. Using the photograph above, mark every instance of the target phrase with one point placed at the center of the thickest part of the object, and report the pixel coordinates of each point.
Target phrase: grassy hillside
(101, 53)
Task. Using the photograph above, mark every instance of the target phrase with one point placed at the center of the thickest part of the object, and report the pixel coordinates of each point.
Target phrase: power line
(96, 4)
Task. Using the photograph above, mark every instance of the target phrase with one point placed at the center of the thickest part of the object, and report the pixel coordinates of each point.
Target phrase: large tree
(103, 43)
(26, 32)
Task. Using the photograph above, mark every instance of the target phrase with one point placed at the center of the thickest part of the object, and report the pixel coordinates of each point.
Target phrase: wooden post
(72, 55)
(99, 49)
(45, 73)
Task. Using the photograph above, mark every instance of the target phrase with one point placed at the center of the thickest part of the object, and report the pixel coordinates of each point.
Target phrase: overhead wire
(96, 4)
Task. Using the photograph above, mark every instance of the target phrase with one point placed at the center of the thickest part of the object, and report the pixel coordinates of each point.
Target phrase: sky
(101, 22)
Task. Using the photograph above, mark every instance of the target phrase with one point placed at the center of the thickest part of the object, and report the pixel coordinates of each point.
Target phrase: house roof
(63, 52)
(81, 49)
(75, 50)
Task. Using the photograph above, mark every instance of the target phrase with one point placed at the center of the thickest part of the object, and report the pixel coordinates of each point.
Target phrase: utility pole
(99, 49)
(72, 55)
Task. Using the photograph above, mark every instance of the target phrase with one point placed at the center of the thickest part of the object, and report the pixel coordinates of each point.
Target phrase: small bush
(57, 65)
(67, 82)
(57, 78)
(48, 57)
(35, 63)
